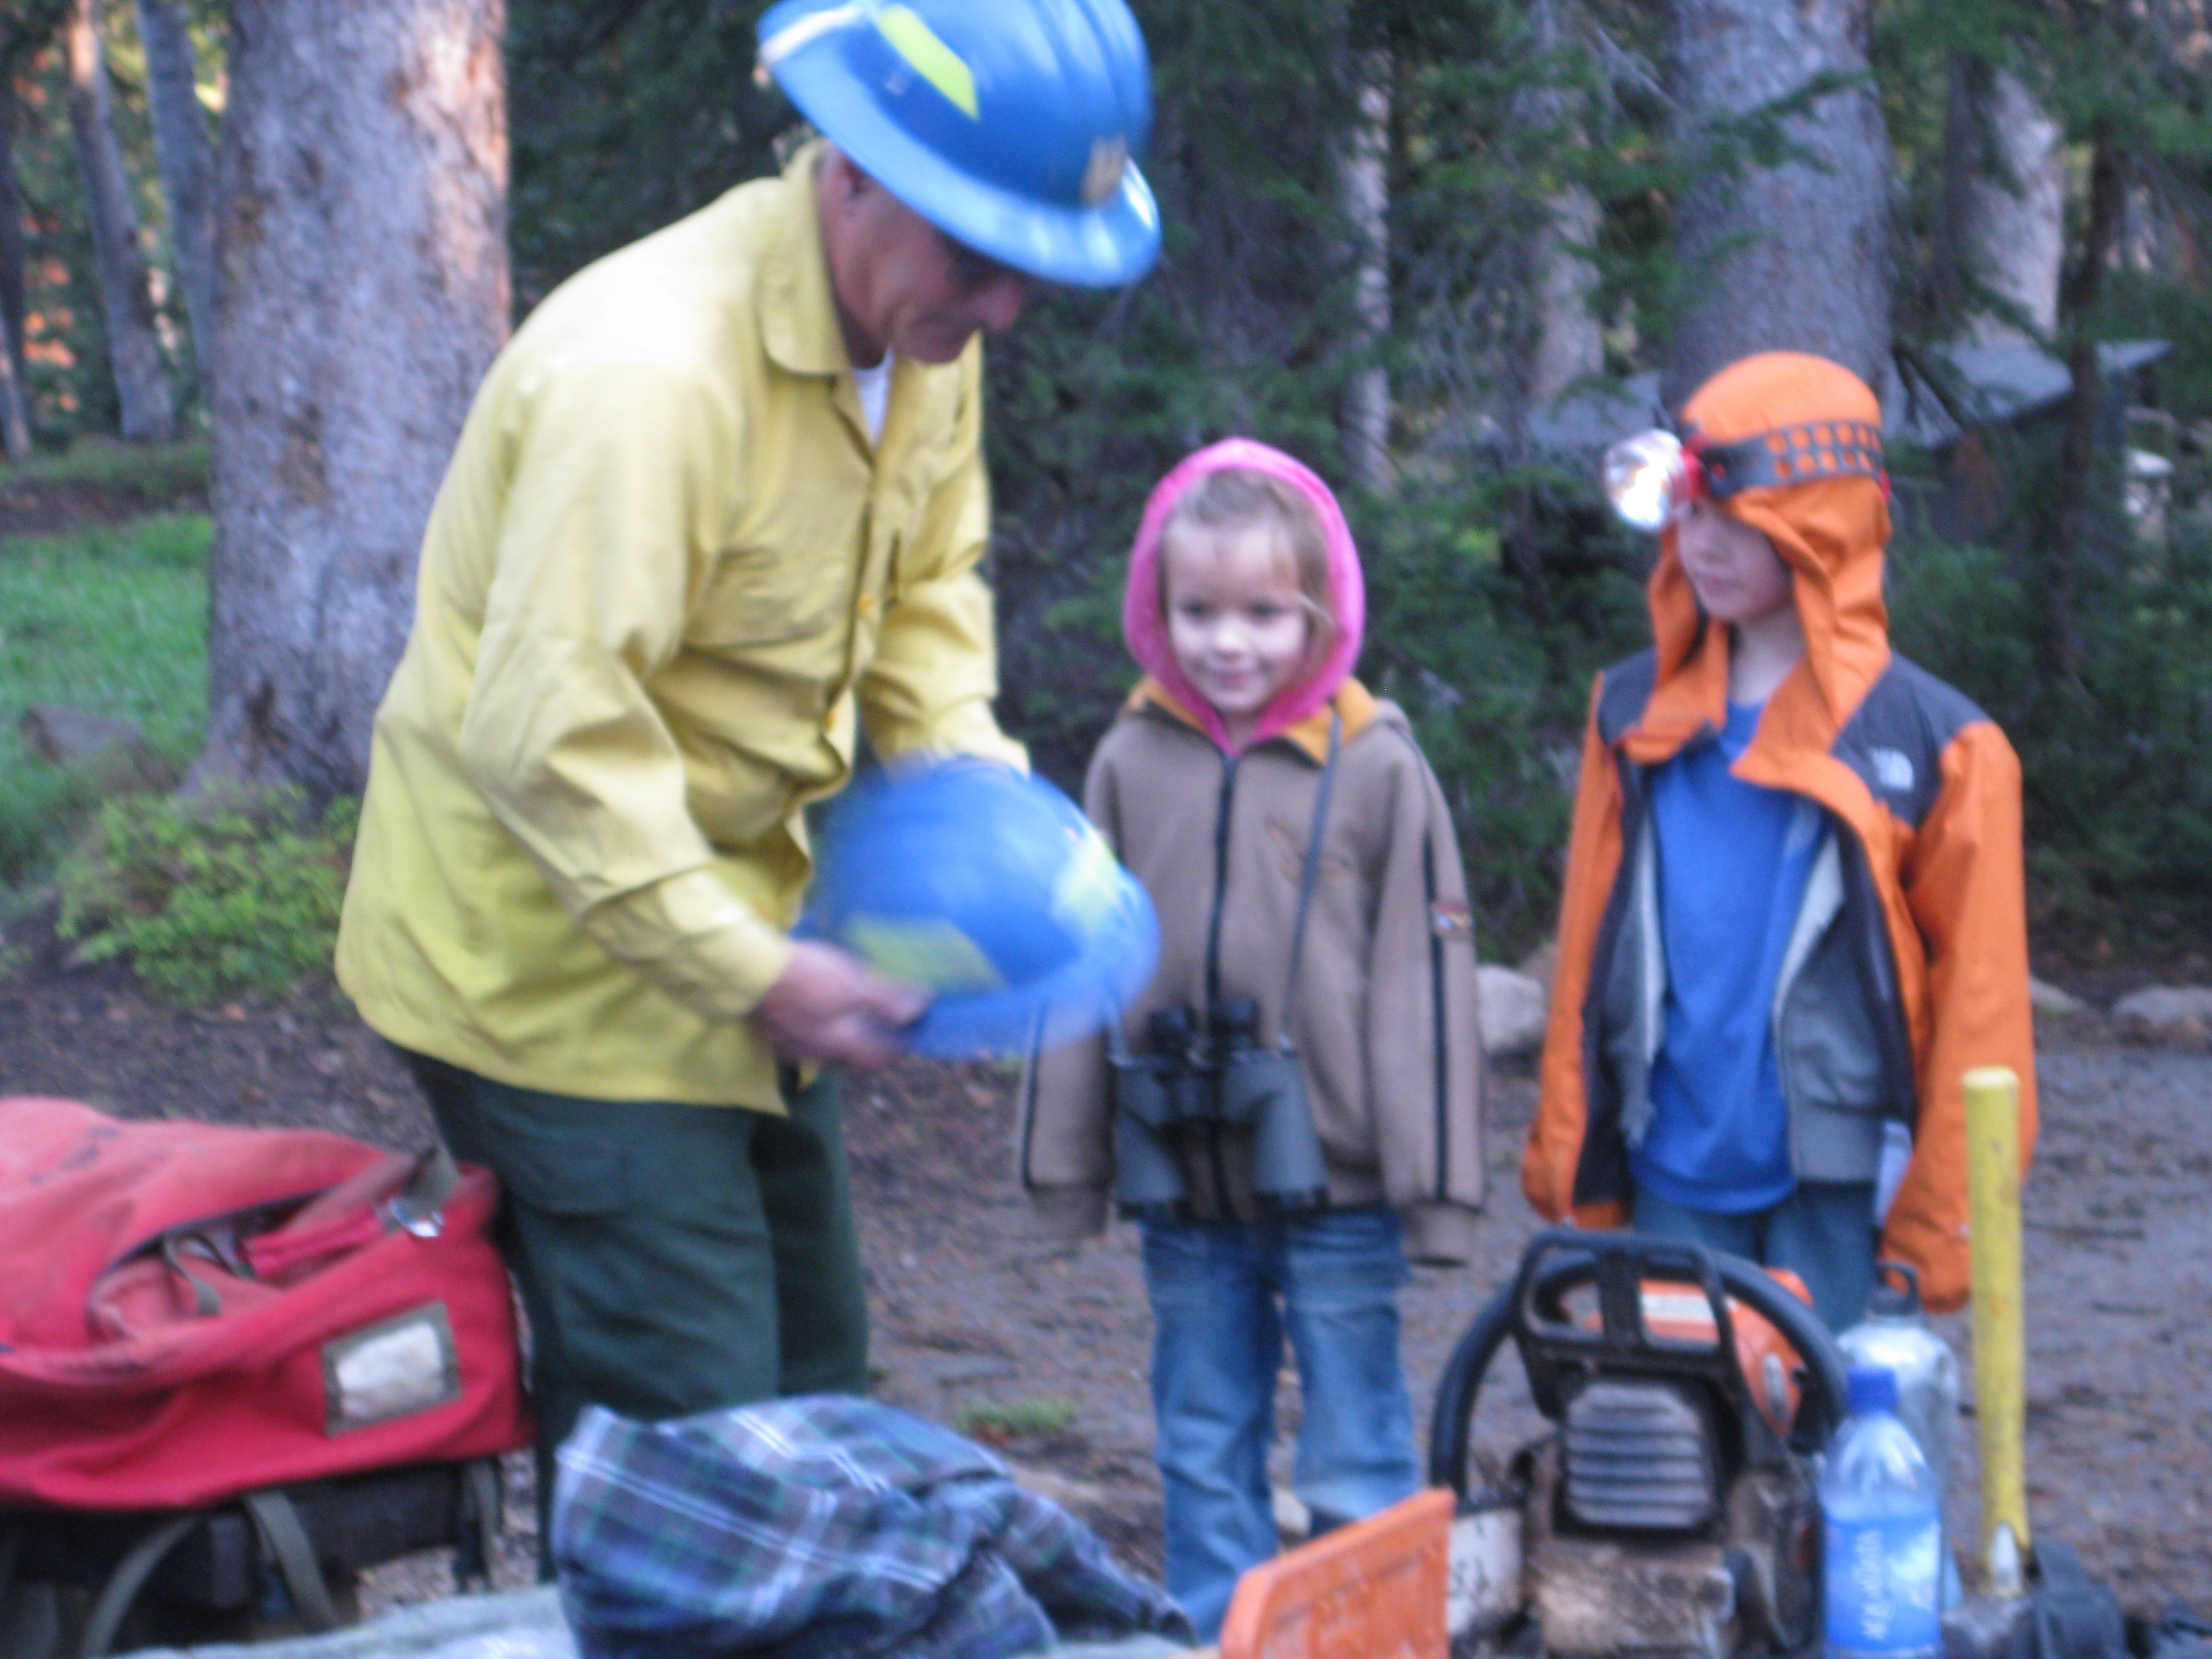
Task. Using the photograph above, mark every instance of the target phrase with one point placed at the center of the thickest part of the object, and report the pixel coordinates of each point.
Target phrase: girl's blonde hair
(1237, 498)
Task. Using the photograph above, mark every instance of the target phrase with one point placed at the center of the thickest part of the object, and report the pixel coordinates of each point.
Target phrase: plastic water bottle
(1896, 1336)
(1882, 1517)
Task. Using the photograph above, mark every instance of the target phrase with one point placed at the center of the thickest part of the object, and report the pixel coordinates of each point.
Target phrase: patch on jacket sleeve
(1450, 919)
(1892, 770)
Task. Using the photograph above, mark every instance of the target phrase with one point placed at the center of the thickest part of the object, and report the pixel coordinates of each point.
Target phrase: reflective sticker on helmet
(1084, 895)
(929, 57)
(805, 31)
(1109, 160)
(930, 951)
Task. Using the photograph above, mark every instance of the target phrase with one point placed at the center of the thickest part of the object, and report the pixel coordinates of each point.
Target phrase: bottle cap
(1872, 1388)
(1896, 1294)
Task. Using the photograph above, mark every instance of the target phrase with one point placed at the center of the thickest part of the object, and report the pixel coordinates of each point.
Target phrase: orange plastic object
(1681, 1313)
(1374, 1589)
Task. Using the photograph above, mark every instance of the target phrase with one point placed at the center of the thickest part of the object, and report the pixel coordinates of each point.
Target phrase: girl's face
(1738, 575)
(1237, 622)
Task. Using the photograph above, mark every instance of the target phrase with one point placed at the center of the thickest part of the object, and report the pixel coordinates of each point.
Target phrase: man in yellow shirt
(714, 515)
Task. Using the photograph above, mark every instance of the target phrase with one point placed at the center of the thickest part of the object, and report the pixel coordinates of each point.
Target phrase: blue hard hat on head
(991, 889)
(1011, 125)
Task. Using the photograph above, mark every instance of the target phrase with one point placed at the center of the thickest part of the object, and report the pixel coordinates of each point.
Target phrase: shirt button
(867, 605)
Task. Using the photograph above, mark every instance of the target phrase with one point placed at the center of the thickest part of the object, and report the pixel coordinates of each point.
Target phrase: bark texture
(126, 296)
(186, 160)
(361, 289)
(15, 392)
(1569, 341)
(2005, 197)
(1362, 182)
(1793, 257)
(1566, 340)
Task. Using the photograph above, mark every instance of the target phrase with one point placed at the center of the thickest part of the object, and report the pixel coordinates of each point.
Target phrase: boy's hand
(828, 1006)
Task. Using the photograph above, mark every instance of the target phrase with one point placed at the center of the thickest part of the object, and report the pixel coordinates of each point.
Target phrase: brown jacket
(1385, 1013)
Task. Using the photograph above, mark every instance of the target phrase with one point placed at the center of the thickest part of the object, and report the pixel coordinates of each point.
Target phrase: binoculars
(1191, 1084)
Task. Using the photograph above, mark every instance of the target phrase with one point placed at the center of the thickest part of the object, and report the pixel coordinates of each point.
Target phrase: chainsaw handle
(1571, 1263)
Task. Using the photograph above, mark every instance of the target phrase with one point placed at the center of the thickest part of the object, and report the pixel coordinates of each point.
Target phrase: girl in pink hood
(1291, 1109)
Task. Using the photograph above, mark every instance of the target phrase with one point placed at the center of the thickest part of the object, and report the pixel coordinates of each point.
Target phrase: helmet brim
(1105, 245)
(1072, 1002)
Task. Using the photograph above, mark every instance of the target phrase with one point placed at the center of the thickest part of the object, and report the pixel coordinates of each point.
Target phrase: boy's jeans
(1218, 1344)
(1824, 1232)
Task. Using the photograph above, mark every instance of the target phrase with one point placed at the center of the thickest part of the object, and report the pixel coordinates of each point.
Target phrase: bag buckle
(426, 1223)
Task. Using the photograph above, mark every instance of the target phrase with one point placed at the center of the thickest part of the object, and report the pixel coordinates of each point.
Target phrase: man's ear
(844, 182)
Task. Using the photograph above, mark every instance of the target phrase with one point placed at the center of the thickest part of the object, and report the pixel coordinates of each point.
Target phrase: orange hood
(1830, 532)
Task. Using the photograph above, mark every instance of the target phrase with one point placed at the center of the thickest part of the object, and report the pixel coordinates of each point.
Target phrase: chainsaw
(1670, 1512)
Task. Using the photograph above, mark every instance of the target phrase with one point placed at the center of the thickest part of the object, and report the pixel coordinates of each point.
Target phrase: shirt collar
(798, 314)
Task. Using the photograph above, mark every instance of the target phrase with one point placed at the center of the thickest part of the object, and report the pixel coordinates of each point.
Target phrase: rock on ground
(2181, 1010)
(1512, 1012)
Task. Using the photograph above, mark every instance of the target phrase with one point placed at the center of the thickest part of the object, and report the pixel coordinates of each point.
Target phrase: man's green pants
(671, 1259)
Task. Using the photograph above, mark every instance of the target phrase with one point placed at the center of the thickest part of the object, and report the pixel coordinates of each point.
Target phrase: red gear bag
(189, 1311)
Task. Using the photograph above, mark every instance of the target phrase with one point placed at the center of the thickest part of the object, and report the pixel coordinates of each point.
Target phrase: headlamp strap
(1791, 455)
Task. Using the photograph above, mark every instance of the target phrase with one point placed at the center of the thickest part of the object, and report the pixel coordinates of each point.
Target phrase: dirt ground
(971, 1312)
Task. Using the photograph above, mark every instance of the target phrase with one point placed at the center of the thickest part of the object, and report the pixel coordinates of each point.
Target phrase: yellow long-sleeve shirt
(667, 579)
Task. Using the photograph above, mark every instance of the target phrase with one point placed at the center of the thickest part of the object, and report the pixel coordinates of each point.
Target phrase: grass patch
(997, 1421)
(112, 620)
(154, 473)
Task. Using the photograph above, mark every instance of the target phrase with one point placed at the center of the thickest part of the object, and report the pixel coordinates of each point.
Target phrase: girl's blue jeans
(1224, 1295)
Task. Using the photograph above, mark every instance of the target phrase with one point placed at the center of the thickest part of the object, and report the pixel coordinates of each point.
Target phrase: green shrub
(212, 898)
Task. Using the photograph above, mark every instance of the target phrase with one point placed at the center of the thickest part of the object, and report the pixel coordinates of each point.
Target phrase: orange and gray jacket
(1907, 964)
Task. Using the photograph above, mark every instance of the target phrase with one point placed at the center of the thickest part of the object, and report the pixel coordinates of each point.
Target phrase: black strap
(478, 1521)
(129, 1578)
(286, 1538)
(1310, 875)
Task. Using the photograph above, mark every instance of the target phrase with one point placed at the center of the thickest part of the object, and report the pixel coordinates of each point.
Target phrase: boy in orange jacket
(1794, 914)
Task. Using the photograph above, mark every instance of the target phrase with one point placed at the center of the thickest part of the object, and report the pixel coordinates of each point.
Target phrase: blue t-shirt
(1733, 857)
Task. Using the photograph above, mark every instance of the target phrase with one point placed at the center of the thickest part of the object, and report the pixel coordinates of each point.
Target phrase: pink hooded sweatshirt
(1146, 628)
(1382, 1011)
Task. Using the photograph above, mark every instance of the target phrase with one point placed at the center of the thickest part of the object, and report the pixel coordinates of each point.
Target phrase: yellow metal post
(2000, 1345)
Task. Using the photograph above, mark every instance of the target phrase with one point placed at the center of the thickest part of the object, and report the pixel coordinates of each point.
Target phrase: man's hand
(828, 1006)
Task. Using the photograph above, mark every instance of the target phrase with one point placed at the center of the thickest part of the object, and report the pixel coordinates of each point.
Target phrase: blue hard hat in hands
(1012, 125)
(990, 889)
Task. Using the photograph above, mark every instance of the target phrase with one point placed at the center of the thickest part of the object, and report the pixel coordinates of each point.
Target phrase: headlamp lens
(1647, 479)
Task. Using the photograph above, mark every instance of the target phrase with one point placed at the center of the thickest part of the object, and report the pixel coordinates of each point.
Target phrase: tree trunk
(15, 393)
(187, 162)
(1570, 344)
(126, 297)
(1794, 257)
(1362, 185)
(2004, 192)
(361, 289)
(1566, 342)
(2075, 532)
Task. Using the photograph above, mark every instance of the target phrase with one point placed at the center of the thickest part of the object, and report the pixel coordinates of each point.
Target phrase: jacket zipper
(1216, 1160)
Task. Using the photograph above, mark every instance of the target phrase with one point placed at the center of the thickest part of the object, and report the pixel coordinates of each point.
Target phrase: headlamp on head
(1652, 478)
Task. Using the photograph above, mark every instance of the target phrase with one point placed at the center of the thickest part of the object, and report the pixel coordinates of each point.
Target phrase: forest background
(1398, 232)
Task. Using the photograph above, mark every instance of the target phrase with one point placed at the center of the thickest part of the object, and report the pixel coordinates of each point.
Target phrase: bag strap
(130, 1577)
(479, 1522)
(277, 1521)
(1311, 874)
